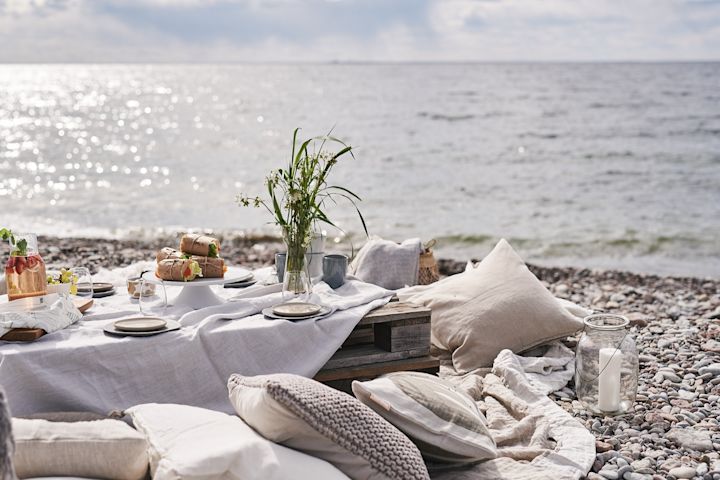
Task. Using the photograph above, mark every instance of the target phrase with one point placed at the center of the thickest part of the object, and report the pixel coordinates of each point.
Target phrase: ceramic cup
(334, 270)
(133, 286)
(280, 265)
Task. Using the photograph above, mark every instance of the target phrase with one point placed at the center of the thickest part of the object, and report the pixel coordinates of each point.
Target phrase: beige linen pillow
(193, 443)
(444, 422)
(497, 305)
(98, 449)
(314, 418)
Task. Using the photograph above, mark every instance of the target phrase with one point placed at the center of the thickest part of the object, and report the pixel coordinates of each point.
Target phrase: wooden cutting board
(30, 334)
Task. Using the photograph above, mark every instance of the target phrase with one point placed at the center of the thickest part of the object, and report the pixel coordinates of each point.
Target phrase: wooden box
(392, 338)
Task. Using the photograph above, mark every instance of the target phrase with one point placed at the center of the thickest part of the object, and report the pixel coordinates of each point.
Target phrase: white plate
(140, 324)
(233, 274)
(296, 309)
(324, 311)
(171, 325)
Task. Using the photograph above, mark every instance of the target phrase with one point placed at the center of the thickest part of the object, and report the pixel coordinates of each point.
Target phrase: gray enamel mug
(334, 270)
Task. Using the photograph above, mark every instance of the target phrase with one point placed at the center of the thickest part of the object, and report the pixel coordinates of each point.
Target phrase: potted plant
(297, 197)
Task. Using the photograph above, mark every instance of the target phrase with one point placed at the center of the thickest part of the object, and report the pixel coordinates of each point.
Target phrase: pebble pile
(673, 431)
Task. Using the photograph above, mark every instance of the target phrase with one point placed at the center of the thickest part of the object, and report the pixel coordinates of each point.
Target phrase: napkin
(54, 313)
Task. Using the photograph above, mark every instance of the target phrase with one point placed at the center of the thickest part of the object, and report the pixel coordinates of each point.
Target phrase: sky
(358, 30)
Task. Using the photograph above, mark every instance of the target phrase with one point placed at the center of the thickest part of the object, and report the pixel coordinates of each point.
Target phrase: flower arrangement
(298, 196)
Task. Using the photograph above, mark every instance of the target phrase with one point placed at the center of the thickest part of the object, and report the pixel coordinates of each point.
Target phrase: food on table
(178, 269)
(168, 252)
(211, 267)
(202, 245)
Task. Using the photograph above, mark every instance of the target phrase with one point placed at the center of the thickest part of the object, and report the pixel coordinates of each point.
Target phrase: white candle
(609, 380)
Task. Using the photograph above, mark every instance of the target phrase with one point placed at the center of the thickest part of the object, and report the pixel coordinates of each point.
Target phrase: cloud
(357, 30)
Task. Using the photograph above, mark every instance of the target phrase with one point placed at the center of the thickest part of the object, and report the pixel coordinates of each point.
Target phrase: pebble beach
(673, 430)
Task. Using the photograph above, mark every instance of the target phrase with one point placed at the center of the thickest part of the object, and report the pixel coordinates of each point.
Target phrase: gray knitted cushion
(316, 419)
(7, 472)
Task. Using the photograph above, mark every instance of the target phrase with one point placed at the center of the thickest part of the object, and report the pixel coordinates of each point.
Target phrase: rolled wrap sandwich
(168, 252)
(178, 269)
(202, 245)
(211, 267)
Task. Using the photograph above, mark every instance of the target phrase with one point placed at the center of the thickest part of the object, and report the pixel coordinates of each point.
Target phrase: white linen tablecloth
(83, 368)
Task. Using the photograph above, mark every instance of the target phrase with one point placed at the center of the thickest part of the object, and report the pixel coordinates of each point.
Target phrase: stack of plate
(295, 311)
(101, 290)
(243, 282)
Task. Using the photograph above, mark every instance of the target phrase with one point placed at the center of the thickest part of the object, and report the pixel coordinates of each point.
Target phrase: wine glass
(152, 300)
(83, 282)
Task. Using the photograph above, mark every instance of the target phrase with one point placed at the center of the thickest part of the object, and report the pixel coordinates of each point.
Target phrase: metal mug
(334, 269)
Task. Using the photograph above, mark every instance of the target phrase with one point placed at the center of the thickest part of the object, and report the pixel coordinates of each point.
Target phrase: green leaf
(346, 191)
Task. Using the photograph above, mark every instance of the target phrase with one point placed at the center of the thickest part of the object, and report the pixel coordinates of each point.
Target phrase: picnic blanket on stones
(536, 438)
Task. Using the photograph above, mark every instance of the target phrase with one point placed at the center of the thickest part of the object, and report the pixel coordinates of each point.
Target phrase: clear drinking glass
(606, 365)
(152, 299)
(83, 283)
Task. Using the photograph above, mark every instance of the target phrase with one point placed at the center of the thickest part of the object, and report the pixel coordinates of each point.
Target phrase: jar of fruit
(25, 269)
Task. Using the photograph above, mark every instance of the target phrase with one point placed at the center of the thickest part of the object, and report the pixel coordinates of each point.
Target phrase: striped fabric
(442, 421)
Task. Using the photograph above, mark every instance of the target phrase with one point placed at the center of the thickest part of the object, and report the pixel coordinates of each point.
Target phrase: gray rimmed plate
(140, 324)
(296, 309)
(324, 311)
(170, 325)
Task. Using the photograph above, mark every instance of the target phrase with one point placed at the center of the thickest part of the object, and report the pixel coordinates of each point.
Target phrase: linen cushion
(497, 305)
(314, 418)
(443, 421)
(98, 449)
(194, 443)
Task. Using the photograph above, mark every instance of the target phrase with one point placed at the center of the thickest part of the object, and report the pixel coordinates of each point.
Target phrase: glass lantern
(606, 365)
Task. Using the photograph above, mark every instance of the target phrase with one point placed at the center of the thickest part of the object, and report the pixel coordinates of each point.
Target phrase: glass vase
(25, 274)
(296, 281)
(606, 365)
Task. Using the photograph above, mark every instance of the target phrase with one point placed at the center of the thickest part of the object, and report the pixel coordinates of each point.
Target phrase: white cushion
(444, 422)
(497, 305)
(304, 414)
(196, 443)
(97, 449)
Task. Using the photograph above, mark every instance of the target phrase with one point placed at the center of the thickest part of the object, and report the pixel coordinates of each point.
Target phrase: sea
(579, 164)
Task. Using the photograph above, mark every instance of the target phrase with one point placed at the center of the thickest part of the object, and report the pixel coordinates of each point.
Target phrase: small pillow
(193, 443)
(444, 422)
(314, 418)
(497, 305)
(97, 449)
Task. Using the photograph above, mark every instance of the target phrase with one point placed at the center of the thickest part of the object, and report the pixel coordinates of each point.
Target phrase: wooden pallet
(392, 338)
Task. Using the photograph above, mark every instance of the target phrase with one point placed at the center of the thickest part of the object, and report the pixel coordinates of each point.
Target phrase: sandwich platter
(197, 293)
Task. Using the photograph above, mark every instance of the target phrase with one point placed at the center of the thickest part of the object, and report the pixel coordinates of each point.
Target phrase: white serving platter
(197, 293)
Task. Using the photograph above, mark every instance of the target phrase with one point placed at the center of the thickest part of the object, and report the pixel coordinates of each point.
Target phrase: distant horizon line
(365, 62)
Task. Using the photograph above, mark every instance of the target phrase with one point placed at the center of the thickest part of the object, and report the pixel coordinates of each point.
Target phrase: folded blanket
(58, 315)
(388, 264)
(536, 438)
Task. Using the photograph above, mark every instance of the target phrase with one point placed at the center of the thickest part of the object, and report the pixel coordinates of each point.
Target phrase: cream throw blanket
(536, 438)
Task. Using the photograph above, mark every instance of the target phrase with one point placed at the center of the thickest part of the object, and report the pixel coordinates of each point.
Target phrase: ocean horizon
(598, 165)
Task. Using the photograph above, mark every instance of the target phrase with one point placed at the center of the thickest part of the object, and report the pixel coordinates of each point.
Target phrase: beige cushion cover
(444, 422)
(309, 416)
(193, 443)
(497, 305)
(99, 449)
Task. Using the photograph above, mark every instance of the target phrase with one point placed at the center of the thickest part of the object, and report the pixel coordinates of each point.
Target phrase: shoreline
(258, 250)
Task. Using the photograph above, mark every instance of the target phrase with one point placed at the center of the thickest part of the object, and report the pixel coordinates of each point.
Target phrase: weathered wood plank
(395, 338)
(368, 354)
(425, 363)
(395, 311)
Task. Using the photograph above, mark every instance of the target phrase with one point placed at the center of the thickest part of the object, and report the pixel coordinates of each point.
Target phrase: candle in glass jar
(609, 380)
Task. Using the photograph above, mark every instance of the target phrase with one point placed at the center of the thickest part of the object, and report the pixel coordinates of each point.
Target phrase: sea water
(595, 165)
